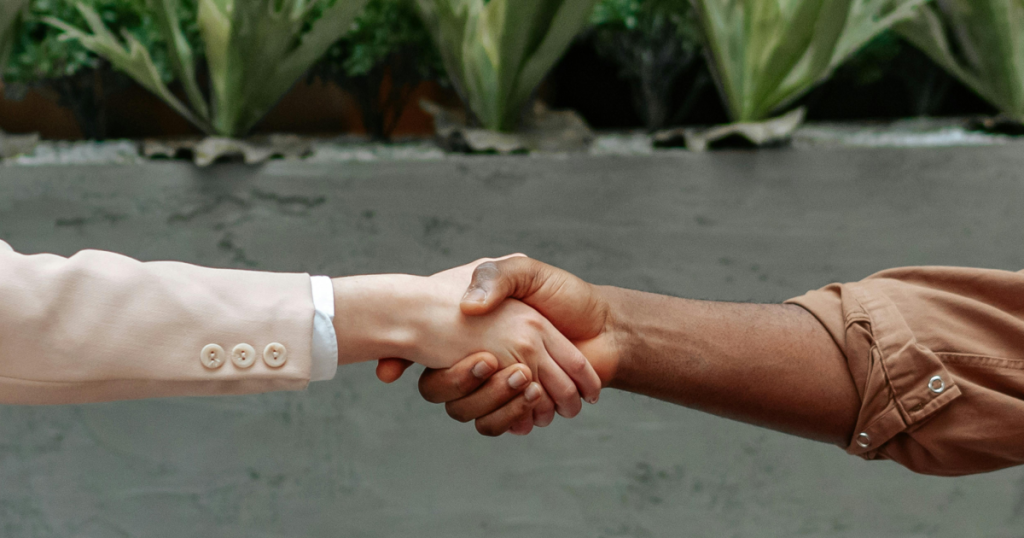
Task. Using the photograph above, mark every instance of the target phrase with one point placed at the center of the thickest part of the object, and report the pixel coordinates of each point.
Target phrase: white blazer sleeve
(100, 326)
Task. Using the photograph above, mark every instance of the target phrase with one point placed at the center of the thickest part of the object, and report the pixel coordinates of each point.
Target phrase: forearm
(374, 316)
(770, 365)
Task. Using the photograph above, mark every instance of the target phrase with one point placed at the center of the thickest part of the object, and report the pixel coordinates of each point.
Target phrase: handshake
(507, 342)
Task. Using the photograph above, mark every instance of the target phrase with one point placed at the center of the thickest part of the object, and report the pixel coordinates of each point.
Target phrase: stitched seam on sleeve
(983, 361)
(876, 355)
(899, 341)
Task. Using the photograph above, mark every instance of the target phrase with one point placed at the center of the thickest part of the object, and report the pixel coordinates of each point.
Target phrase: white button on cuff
(275, 355)
(243, 356)
(936, 385)
(864, 440)
(212, 356)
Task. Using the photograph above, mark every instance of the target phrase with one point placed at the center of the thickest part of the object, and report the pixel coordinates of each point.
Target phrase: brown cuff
(915, 381)
(917, 339)
(900, 382)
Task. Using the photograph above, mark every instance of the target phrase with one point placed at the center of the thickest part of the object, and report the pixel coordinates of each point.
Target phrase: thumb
(571, 304)
(495, 281)
(389, 370)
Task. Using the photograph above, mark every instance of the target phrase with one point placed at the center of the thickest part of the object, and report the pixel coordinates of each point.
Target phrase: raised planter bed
(922, 133)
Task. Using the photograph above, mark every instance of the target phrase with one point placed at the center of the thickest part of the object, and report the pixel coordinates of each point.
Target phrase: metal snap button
(936, 385)
(864, 440)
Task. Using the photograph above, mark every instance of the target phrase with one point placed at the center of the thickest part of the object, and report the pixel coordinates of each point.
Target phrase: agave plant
(765, 54)
(497, 52)
(10, 14)
(70, 74)
(980, 42)
(255, 50)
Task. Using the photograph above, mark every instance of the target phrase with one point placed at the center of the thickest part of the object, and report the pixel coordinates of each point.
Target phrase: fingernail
(482, 370)
(592, 400)
(475, 295)
(517, 380)
(532, 392)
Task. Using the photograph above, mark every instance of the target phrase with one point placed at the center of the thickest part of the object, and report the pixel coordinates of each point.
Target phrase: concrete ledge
(908, 133)
(353, 457)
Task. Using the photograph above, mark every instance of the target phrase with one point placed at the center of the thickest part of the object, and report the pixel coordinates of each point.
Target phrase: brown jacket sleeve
(937, 355)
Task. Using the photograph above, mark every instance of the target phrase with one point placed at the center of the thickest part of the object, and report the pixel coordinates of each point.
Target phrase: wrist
(375, 316)
(606, 351)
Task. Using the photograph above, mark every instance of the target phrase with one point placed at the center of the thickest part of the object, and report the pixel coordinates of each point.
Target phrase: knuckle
(571, 411)
(427, 391)
(456, 413)
(566, 394)
(524, 345)
(544, 414)
(576, 364)
(464, 385)
(534, 321)
(569, 406)
(488, 429)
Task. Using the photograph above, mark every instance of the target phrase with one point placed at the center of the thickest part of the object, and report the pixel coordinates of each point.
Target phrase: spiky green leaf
(981, 42)
(765, 54)
(255, 50)
(498, 52)
(130, 56)
(179, 52)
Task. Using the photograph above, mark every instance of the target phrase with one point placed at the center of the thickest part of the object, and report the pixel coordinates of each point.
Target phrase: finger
(574, 364)
(445, 385)
(544, 412)
(523, 427)
(389, 370)
(500, 389)
(495, 281)
(501, 420)
(559, 386)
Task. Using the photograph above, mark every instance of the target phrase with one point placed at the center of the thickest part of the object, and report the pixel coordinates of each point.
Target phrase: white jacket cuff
(324, 350)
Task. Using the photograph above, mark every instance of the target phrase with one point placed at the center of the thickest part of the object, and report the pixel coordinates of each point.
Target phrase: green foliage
(255, 51)
(630, 15)
(980, 42)
(496, 53)
(39, 54)
(767, 53)
(382, 29)
(70, 73)
(653, 42)
(381, 60)
(10, 19)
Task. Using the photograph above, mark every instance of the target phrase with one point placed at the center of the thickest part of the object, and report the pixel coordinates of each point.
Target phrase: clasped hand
(424, 322)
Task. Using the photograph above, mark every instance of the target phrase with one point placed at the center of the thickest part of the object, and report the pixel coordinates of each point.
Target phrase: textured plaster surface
(353, 458)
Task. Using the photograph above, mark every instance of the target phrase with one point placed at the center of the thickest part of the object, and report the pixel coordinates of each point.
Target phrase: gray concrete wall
(353, 458)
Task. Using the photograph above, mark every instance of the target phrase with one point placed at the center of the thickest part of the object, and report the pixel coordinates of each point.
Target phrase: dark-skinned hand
(504, 401)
